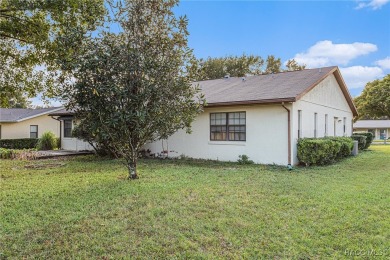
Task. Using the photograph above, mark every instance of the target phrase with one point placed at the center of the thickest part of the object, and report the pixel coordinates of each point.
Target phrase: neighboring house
(380, 128)
(68, 142)
(27, 123)
(259, 116)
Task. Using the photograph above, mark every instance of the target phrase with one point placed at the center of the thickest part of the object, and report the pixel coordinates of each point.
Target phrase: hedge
(369, 138)
(23, 143)
(361, 141)
(346, 146)
(322, 151)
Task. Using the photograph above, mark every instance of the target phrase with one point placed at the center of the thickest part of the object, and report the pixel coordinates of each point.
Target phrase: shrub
(369, 138)
(22, 143)
(244, 159)
(318, 151)
(58, 142)
(48, 141)
(361, 140)
(346, 146)
(25, 154)
(6, 153)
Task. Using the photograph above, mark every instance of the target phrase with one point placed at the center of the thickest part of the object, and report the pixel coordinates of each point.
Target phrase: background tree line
(240, 66)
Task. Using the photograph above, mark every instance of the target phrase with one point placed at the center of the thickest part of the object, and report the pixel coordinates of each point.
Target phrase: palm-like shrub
(48, 141)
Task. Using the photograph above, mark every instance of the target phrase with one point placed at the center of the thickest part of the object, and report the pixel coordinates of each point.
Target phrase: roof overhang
(251, 102)
(33, 116)
(62, 114)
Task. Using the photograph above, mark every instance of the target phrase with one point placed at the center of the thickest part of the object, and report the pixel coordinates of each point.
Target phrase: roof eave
(37, 115)
(336, 72)
(61, 114)
(251, 102)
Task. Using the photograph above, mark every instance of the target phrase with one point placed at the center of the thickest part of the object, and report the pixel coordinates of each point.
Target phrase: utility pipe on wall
(289, 133)
(60, 131)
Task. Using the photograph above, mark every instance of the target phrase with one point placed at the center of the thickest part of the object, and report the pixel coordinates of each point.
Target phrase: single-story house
(27, 123)
(380, 128)
(67, 123)
(259, 116)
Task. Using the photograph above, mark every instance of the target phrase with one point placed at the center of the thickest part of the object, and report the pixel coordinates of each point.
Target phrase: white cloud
(326, 53)
(384, 64)
(373, 4)
(358, 76)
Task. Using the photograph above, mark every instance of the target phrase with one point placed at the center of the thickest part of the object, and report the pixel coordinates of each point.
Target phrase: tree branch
(14, 38)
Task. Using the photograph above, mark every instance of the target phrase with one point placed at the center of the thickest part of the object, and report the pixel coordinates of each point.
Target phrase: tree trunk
(132, 166)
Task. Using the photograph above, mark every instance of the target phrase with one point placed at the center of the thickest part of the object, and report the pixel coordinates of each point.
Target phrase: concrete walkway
(59, 153)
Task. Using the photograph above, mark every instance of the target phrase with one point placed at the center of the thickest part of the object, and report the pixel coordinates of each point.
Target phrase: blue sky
(354, 35)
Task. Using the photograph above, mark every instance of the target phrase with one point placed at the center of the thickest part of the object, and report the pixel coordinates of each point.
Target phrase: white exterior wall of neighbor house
(266, 137)
(377, 132)
(325, 98)
(22, 129)
(72, 143)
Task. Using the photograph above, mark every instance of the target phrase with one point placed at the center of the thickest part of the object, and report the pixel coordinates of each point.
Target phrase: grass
(84, 208)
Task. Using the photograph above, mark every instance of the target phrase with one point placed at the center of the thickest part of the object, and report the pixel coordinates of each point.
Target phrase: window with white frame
(228, 126)
(326, 125)
(33, 131)
(299, 123)
(68, 128)
(315, 125)
(344, 126)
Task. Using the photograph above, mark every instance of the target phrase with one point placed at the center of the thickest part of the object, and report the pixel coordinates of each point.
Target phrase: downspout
(289, 135)
(60, 131)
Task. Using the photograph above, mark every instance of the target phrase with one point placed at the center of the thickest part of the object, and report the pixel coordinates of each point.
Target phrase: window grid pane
(67, 128)
(33, 131)
(228, 126)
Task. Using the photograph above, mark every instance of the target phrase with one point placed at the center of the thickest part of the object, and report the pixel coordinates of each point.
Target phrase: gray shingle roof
(372, 124)
(262, 88)
(8, 115)
(271, 88)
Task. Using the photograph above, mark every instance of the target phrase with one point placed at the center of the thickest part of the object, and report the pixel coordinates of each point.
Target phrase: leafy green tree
(240, 66)
(135, 86)
(374, 102)
(212, 68)
(234, 66)
(37, 33)
(273, 65)
(18, 100)
(292, 65)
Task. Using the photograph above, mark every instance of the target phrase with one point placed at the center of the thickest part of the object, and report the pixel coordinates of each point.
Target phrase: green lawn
(84, 208)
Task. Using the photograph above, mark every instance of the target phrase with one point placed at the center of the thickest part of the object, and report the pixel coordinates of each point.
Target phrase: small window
(344, 126)
(68, 128)
(326, 125)
(299, 123)
(228, 126)
(33, 131)
(315, 125)
(382, 134)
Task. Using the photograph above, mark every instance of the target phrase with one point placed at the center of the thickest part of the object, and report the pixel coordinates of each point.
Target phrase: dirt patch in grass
(39, 166)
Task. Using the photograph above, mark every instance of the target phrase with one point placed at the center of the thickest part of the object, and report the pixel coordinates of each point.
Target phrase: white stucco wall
(377, 132)
(266, 137)
(325, 98)
(22, 129)
(72, 143)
